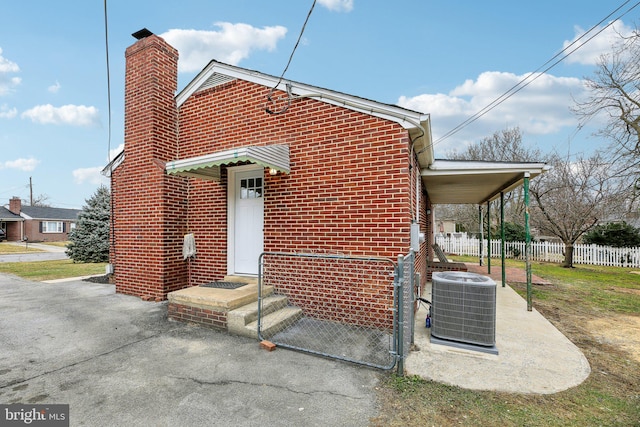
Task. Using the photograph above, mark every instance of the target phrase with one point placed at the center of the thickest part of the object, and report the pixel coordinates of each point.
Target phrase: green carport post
(481, 240)
(527, 247)
(489, 237)
(502, 248)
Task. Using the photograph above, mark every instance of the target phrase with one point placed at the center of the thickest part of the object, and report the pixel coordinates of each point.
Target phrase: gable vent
(215, 80)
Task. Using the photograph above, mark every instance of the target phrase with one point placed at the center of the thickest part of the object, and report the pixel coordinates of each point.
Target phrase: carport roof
(475, 182)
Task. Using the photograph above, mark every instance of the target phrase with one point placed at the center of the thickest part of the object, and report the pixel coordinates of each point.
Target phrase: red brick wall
(348, 187)
(349, 190)
(149, 207)
(201, 316)
(14, 231)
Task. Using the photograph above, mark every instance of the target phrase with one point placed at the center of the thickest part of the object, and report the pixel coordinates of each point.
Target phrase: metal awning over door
(208, 166)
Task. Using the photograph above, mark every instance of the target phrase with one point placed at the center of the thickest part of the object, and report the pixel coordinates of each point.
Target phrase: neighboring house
(37, 223)
(445, 227)
(311, 170)
(11, 224)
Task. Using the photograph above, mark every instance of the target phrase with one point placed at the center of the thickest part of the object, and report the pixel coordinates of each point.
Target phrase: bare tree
(41, 200)
(573, 197)
(503, 146)
(615, 96)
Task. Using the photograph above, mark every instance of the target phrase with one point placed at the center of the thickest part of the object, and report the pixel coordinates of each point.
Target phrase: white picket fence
(544, 251)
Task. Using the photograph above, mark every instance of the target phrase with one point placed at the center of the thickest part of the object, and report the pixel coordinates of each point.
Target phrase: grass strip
(51, 270)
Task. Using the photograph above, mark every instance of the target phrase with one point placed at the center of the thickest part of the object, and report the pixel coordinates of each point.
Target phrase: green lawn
(11, 248)
(46, 270)
(50, 270)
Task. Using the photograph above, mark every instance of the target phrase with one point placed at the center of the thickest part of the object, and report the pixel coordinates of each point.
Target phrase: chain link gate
(347, 308)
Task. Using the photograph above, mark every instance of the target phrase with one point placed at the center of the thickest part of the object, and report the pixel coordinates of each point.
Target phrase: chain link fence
(336, 306)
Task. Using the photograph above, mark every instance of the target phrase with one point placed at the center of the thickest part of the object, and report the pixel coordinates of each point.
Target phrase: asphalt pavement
(117, 360)
(49, 253)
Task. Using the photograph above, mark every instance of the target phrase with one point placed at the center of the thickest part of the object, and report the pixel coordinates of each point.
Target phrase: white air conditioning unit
(463, 308)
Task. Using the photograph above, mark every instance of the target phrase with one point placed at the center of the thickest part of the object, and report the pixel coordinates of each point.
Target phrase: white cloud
(589, 52)
(542, 108)
(337, 5)
(25, 165)
(6, 67)
(231, 44)
(54, 88)
(74, 115)
(89, 175)
(7, 113)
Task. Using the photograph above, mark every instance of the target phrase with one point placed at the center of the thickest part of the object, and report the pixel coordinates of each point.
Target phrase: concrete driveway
(117, 360)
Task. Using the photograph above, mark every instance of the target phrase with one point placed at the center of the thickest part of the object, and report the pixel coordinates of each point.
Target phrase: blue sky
(448, 59)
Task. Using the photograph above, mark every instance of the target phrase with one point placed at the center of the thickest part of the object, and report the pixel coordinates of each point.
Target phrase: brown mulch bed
(99, 279)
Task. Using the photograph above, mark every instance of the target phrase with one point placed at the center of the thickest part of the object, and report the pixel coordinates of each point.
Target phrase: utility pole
(30, 192)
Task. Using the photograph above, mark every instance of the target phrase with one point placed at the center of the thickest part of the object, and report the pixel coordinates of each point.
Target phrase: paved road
(50, 253)
(117, 360)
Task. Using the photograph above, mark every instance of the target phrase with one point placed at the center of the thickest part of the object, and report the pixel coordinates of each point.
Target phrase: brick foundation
(200, 316)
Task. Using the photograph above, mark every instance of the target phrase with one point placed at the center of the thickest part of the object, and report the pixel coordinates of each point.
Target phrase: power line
(531, 77)
(283, 110)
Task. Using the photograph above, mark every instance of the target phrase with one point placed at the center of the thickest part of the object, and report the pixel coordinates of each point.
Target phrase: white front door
(248, 219)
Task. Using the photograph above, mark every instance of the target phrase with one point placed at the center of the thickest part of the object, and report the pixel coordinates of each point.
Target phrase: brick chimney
(149, 220)
(15, 205)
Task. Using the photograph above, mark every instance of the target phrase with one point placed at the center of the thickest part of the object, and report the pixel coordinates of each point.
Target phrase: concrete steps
(276, 315)
(251, 280)
(235, 310)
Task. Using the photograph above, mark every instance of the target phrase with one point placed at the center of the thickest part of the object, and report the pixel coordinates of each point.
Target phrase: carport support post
(481, 234)
(502, 248)
(527, 247)
(489, 237)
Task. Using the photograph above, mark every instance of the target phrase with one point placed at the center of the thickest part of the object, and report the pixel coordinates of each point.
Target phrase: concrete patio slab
(534, 357)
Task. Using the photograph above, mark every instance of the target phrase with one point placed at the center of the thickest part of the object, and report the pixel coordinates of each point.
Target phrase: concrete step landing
(276, 314)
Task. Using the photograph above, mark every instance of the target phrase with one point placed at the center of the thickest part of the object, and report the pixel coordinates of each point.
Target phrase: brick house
(37, 223)
(248, 169)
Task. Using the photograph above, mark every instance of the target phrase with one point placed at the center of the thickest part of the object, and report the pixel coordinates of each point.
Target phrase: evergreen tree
(513, 232)
(616, 234)
(89, 241)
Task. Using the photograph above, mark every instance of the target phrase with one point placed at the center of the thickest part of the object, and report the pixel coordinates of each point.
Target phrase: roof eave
(407, 118)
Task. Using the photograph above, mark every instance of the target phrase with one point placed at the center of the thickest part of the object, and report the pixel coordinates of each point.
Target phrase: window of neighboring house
(51, 227)
(72, 226)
